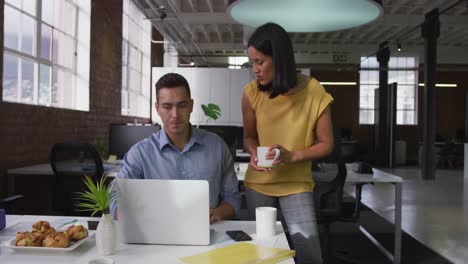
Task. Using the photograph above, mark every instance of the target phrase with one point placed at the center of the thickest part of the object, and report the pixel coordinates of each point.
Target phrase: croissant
(41, 227)
(28, 239)
(58, 240)
(77, 232)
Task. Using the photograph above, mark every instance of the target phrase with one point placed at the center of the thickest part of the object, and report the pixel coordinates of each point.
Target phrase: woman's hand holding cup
(267, 156)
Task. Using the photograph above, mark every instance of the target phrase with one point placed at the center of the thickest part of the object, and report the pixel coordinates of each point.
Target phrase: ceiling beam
(205, 33)
(218, 32)
(210, 5)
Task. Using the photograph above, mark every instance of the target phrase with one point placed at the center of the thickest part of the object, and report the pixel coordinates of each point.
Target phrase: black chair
(70, 162)
(330, 176)
(8, 203)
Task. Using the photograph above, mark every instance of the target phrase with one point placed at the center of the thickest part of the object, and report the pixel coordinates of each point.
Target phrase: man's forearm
(222, 212)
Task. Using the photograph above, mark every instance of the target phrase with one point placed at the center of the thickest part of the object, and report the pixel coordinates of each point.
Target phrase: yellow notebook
(241, 253)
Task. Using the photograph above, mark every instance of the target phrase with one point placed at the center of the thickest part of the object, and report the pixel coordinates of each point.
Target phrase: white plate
(11, 245)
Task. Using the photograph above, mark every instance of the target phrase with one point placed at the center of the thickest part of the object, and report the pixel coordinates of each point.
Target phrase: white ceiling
(204, 30)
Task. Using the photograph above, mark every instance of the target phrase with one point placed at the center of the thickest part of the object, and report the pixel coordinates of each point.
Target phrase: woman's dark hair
(172, 80)
(272, 40)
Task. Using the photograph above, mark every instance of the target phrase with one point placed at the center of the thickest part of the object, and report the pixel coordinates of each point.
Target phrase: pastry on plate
(41, 227)
(77, 232)
(28, 239)
(58, 240)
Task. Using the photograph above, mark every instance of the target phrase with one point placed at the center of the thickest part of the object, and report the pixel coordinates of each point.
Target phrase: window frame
(127, 93)
(52, 66)
(396, 69)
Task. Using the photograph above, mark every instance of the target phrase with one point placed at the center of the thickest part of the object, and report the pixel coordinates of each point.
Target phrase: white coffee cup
(262, 161)
(265, 220)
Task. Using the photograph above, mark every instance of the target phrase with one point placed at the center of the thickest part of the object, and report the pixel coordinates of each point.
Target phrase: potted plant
(97, 199)
(211, 111)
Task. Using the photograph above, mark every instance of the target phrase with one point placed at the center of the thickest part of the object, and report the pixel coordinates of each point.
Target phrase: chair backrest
(330, 175)
(70, 161)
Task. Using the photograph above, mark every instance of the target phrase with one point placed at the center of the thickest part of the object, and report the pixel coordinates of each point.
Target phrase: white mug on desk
(265, 220)
(262, 161)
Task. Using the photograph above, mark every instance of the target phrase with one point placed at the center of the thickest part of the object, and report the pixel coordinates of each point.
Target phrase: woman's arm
(323, 146)
(250, 131)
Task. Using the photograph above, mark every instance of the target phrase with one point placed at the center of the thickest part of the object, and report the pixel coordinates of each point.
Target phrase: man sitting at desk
(180, 151)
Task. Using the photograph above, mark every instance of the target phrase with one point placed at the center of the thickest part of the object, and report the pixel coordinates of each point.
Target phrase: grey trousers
(299, 215)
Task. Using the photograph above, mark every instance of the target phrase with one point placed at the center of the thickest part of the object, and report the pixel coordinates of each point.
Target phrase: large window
(136, 66)
(237, 62)
(46, 53)
(403, 71)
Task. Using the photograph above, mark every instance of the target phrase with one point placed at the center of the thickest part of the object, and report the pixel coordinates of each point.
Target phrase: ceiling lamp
(306, 15)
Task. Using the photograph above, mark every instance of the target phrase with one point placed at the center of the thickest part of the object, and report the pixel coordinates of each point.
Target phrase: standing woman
(288, 111)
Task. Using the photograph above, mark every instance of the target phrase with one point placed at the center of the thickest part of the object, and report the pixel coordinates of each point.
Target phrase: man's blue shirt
(205, 157)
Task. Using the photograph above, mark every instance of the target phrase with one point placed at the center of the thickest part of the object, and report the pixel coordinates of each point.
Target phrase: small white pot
(106, 235)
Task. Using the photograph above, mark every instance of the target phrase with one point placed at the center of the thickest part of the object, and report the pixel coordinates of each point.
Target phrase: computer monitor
(230, 134)
(122, 137)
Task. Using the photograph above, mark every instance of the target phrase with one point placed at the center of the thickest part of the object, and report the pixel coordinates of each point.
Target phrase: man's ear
(191, 105)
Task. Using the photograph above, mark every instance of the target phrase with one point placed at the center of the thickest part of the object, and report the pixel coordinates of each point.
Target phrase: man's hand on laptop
(222, 212)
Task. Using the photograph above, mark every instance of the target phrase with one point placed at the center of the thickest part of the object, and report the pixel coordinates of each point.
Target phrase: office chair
(8, 203)
(70, 162)
(330, 175)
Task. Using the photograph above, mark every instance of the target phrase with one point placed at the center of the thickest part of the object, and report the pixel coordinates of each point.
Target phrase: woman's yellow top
(287, 120)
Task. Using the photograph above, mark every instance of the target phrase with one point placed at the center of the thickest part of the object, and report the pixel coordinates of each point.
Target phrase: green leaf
(214, 107)
(96, 198)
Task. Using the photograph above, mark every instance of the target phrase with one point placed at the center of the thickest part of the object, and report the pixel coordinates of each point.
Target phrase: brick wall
(27, 133)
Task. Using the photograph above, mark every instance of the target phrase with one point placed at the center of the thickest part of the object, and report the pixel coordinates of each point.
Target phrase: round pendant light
(306, 15)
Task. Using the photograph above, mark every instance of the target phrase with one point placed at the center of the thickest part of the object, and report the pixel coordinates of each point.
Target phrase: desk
(358, 180)
(379, 176)
(133, 253)
(111, 170)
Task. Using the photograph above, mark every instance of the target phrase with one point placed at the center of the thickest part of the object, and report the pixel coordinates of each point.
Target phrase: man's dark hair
(172, 80)
(272, 40)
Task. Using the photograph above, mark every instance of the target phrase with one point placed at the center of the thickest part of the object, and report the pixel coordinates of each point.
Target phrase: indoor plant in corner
(95, 199)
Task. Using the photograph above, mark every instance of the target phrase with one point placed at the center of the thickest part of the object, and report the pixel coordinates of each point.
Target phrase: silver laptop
(163, 211)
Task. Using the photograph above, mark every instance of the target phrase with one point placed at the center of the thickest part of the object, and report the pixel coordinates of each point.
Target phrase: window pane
(48, 11)
(135, 58)
(124, 102)
(134, 33)
(145, 86)
(392, 76)
(405, 117)
(68, 18)
(63, 49)
(44, 84)
(46, 42)
(84, 4)
(125, 27)
(11, 28)
(28, 35)
(10, 77)
(124, 52)
(146, 66)
(16, 3)
(82, 94)
(27, 80)
(83, 28)
(134, 80)
(133, 104)
(62, 89)
(125, 6)
(30, 6)
(366, 116)
(83, 62)
(124, 78)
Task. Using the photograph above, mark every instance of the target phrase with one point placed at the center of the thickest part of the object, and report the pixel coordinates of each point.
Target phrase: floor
(434, 212)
